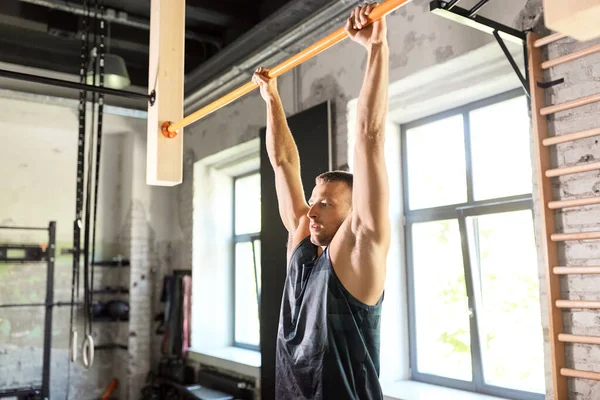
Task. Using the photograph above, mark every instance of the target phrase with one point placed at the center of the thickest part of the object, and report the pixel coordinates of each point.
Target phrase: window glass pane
(436, 164)
(504, 263)
(247, 325)
(247, 204)
(500, 150)
(441, 307)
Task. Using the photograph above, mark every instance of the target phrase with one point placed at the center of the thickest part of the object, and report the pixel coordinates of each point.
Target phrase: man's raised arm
(370, 214)
(283, 155)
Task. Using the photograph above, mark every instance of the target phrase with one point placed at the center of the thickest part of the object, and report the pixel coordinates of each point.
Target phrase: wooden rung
(549, 39)
(576, 270)
(570, 137)
(572, 170)
(562, 237)
(577, 304)
(573, 373)
(570, 104)
(564, 337)
(571, 57)
(554, 205)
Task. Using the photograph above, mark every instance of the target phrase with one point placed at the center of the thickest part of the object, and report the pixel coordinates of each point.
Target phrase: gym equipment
(110, 389)
(35, 253)
(165, 141)
(176, 294)
(113, 310)
(164, 164)
(549, 238)
(118, 310)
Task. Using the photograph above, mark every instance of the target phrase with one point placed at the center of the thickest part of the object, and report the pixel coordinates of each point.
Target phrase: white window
(472, 264)
(246, 239)
(226, 230)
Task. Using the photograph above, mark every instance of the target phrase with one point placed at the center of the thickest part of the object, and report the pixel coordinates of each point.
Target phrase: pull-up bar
(329, 41)
(165, 77)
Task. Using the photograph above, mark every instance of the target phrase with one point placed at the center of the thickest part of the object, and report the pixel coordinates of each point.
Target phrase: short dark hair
(336, 176)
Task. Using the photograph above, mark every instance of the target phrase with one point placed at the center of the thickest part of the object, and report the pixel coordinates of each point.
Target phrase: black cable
(88, 192)
(79, 181)
(100, 55)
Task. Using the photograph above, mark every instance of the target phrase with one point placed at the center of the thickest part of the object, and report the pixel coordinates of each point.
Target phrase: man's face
(330, 204)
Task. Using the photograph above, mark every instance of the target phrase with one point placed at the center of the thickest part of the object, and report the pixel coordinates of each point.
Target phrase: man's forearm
(373, 99)
(280, 142)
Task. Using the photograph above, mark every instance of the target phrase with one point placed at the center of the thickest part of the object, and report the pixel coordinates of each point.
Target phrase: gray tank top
(328, 341)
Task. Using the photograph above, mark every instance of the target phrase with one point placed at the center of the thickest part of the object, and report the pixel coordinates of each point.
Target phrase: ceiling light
(115, 72)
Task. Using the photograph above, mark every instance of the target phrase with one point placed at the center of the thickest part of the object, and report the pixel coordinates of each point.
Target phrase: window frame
(243, 238)
(458, 212)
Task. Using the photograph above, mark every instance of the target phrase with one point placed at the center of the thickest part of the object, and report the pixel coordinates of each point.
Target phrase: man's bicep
(370, 198)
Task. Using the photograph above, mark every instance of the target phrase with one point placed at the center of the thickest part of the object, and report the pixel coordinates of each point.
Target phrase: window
(475, 320)
(246, 241)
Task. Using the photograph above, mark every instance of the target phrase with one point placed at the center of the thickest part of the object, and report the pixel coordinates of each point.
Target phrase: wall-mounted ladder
(548, 206)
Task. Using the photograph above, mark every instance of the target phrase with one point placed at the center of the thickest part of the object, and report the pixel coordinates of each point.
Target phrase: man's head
(330, 205)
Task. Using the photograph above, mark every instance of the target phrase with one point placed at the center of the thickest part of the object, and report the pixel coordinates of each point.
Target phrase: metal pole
(24, 228)
(306, 54)
(72, 85)
(473, 11)
(512, 62)
(57, 304)
(48, 313)
(451, 4)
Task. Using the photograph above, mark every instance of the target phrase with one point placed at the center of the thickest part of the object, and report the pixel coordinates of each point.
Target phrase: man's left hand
(357, 29)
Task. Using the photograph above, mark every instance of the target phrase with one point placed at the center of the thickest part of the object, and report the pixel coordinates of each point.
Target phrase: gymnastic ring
(165, 130)
(73, 346)
(87, 351)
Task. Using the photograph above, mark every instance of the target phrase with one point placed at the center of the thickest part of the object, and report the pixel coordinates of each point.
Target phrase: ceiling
(46, 33)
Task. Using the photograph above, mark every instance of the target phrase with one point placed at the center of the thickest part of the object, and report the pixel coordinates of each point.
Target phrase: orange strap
(110, 389)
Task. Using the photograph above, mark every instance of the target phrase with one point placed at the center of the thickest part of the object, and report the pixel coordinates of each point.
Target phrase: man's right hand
(268, 86)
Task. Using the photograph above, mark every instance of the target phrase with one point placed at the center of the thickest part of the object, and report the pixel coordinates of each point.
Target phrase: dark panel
(224, 13)
(311, 130)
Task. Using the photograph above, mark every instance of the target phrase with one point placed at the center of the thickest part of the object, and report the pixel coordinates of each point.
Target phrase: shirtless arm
(284, 158)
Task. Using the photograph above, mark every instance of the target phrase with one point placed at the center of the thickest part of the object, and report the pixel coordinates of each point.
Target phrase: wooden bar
(562, 237)
(572, 170)
(330, 40)
(578, 304)
(554, 205)
(548, 248)
(576, 18)
(164, 157)
(549, 39)
(573, 373)
(564, 337)
(570, 104)
(571, 57)
(571, 136)
(576, 270)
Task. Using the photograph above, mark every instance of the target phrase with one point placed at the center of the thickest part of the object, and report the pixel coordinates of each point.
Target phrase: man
(328, 338)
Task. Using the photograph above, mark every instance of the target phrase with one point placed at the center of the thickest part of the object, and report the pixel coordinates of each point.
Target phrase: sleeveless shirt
(328, 341)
